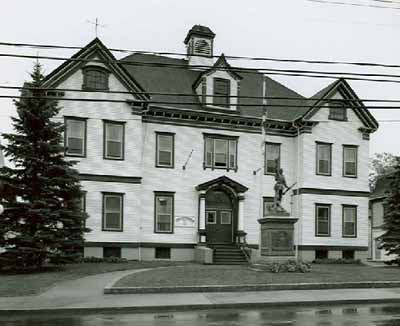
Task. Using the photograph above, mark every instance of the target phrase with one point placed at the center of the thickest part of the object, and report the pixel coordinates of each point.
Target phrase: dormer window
(95, 78)
(337, 111)
(222, 90)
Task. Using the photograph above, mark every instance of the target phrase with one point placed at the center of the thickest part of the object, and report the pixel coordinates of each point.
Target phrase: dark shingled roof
(199, 30)
(181, 81)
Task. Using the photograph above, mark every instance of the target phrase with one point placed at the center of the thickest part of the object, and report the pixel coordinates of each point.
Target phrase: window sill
(165, 166)
(349, 236)
(74, 155)
(324, 175)
(113, 159)
(350, 176)
(322, 235)
(165, 232)
(112, 230)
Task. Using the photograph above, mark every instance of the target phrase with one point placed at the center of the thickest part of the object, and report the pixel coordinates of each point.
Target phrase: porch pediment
(224, 180)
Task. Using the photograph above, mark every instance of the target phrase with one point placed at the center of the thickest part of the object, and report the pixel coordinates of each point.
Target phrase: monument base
(277, 233)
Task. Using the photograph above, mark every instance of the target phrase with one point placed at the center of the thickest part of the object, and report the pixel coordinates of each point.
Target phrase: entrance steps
(227, 254)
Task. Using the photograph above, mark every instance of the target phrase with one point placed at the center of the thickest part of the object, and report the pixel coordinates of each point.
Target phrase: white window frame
(230, 217)
(121, 141)
(317, 219)
(355, 148)
(120, 211)
(158, 149)
(67, 136)
(354, 222)
(266, 157)
(169, 196)
(215, 217)
(231, 153)
(318, 145)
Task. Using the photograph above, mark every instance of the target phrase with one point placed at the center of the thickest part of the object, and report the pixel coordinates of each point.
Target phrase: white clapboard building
(178, 158)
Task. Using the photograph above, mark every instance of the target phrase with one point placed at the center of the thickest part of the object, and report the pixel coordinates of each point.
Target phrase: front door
(219, 218)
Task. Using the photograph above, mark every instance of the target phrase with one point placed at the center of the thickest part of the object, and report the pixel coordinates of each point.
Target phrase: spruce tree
(41, 194)
(391, 219)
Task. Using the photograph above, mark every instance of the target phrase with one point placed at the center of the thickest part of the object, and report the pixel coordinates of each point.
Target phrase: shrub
(290, 266)
(114, 260)
(336, 261)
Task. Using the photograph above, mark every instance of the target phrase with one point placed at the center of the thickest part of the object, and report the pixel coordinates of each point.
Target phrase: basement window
(162, 253)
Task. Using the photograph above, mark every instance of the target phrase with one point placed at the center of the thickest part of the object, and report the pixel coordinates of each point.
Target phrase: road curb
(251, 287)
(177, 308)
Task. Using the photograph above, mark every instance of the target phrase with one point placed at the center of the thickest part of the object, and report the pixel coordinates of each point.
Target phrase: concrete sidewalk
(86, 295)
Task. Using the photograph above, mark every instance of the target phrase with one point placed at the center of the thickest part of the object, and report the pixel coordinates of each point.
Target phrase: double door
(219, 225)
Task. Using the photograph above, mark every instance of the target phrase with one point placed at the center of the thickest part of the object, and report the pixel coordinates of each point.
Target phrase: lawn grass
(35, 283)
(236, 275)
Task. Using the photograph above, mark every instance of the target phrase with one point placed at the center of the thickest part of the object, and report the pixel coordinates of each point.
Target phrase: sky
(294, 29)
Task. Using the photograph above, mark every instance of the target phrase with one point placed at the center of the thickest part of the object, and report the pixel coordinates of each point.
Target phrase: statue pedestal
(277, 233)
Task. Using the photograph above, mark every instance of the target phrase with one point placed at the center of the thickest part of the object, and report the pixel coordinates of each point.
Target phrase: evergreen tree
(41, 193)
(391, 219)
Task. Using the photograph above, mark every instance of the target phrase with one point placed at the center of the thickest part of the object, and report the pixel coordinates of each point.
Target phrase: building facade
(377, 209)
(174, 154)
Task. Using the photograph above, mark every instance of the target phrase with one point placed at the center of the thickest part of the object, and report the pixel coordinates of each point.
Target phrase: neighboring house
(163, 178)
(377, 212)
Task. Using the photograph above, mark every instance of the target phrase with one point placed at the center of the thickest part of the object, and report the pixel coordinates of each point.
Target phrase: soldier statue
(280, 185)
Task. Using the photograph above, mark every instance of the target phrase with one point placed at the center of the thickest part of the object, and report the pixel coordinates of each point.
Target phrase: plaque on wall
(185, 221)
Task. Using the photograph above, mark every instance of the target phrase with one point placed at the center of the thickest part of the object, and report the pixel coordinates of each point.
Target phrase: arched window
(95, 78)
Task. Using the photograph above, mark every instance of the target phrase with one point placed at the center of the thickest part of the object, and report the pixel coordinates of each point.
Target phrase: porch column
(202, 217)
(241, 212)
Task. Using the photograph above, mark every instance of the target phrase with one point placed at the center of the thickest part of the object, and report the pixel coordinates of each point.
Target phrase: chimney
(199, 44)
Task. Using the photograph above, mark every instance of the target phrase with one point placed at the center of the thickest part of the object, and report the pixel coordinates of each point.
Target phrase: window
(111, 252)
(165, 150)
(220, 152)
(349, 221)
(226, 217)
(321, 254)
(350, 161)
(95, 78)
(75, 137)
(112, 211)
(272, 157)
(222, 90)
(268, 205)
(114, 140)
(211, 217)
(162, 253)
(164, 212)
(348, 254)
(322, 220)
(324, 157)
(337, 111)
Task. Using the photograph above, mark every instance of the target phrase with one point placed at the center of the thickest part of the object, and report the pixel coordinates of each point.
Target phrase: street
(342, 315)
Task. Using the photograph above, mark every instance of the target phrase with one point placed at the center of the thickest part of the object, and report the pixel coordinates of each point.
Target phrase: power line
(353, 4)
(325, 62)
(374, 107)
(270, 71)
(78, 90)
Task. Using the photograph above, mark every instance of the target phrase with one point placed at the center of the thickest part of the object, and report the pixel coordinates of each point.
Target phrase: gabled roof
(95, 47)
(221, 62)
(341, 86)
(224, 180)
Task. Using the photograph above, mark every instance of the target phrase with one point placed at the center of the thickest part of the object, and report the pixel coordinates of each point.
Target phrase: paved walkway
(87, 294)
